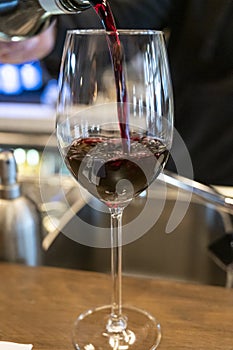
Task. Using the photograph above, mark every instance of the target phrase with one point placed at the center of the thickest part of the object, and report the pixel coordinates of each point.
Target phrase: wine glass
(114, 131)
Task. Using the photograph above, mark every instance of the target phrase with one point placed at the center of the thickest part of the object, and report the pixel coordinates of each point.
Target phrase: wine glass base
(90, 332)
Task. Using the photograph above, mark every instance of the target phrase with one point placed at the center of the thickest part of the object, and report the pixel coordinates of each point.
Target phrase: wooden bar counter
(38, 305)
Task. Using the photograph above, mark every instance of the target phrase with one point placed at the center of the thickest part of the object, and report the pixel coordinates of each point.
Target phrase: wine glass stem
(116, 322)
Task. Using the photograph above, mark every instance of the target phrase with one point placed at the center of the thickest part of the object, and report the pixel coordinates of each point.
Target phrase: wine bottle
(21, 19)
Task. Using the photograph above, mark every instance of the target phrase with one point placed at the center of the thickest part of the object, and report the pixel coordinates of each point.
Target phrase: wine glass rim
(119, 31)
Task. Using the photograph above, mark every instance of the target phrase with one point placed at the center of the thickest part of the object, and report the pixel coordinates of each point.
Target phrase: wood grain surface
(38, 305)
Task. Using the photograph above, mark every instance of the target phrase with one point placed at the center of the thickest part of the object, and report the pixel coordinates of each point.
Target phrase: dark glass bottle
(20, 19)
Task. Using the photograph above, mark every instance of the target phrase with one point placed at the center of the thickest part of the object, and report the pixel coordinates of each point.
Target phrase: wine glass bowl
(114, 131)
(100, 165)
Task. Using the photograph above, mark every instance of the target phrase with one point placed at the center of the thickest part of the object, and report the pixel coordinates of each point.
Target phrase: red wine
(116, 169)
(104, 11)
(100, 165)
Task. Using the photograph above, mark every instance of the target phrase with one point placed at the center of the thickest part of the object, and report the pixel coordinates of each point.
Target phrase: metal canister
(20, 240)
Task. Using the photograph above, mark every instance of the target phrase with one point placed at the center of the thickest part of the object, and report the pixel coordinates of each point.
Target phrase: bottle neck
(64, 6)
(74, 5)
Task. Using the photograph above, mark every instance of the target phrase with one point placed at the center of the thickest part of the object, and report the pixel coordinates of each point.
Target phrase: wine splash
(104, 11)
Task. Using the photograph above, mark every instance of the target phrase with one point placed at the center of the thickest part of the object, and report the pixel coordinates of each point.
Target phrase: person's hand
(31, 49)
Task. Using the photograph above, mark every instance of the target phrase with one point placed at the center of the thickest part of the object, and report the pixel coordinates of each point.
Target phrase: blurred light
(33, 157)
(143, 194)
(15, 78)
(10, 79)
(73, 62)
(50, 93)
(20, 155)
(31, 76)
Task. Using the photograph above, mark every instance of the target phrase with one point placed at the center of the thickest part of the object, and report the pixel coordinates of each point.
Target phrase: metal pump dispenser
(19, 218)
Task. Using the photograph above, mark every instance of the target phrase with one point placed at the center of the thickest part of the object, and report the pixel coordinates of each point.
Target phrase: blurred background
(199, 250)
